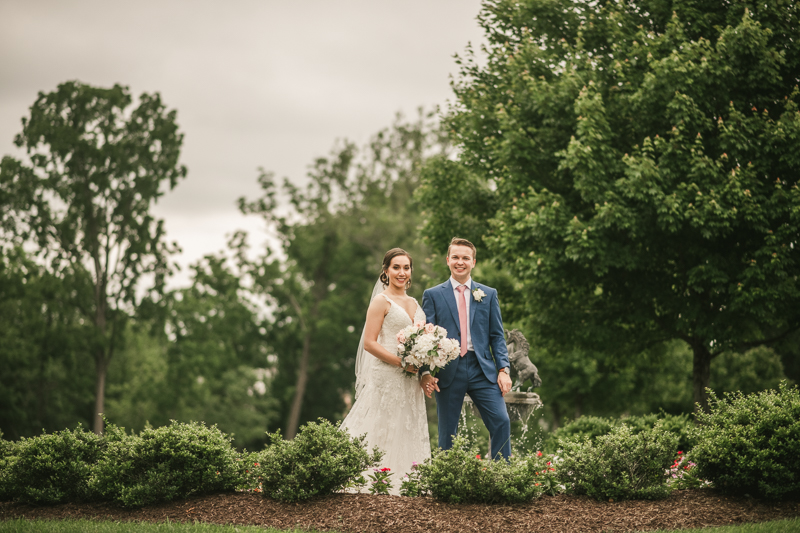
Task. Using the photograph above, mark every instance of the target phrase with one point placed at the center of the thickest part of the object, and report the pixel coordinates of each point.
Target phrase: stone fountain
(520, 404)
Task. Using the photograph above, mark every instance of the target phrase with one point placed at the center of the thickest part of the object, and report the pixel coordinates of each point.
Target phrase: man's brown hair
(458, 241)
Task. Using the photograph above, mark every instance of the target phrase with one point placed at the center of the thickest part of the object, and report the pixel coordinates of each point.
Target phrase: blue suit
(475, 373)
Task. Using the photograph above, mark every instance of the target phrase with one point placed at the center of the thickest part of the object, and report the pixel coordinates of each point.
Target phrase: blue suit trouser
(486, 396)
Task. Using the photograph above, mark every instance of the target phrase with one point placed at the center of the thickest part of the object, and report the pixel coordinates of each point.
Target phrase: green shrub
(459, 475)
(682, 426)
(591, 427)
(683, 474)
(8, 456)
(50, 468)
(750, 444)
(584, 427)
(320, 460)
(249, 478)
(621, 465)
(163, 464)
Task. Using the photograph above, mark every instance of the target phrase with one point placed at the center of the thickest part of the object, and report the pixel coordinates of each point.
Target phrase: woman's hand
(412, 369)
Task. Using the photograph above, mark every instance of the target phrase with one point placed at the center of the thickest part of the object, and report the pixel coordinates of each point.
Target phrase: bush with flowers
(683, 474)
(249, 479)
(380, 482)
(459, 475)
(545, 468)
(748, 444)
(411, 484)
(321, 459)
(621, 465)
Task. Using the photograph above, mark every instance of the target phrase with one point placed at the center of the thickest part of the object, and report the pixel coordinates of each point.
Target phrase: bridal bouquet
(425, 344)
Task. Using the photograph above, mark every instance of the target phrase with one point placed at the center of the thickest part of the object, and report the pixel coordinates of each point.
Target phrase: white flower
(478, 294)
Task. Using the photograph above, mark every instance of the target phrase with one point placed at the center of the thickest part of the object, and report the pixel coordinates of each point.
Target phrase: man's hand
(504, 380)
(429, 384)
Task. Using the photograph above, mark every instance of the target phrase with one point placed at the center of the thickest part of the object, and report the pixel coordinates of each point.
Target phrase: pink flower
(419, 324)
(401, 337)
(429, 328)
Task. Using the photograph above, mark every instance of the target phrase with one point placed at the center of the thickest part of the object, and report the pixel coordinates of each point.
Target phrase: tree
(95, 166)
(643, 160)
(43, 349)
(355, 206)
(198, 353)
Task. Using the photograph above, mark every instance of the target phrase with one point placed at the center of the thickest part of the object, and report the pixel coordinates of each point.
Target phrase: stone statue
(519, 404)
(518, 349)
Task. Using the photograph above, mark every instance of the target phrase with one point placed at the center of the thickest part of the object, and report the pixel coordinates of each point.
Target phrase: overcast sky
(256, 83)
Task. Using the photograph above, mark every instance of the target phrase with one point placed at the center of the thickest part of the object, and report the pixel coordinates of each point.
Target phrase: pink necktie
(462, 317)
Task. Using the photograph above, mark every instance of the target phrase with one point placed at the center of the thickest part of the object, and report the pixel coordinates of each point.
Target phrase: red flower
(679, 453)
(255, 464)
(478, 456)
(385, 469)
(538, 454)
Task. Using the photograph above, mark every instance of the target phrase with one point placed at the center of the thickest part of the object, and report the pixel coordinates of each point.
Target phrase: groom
(470, 313)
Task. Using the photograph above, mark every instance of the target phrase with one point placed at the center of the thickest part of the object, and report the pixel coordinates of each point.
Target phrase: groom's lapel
(473, 305)
(450, 298)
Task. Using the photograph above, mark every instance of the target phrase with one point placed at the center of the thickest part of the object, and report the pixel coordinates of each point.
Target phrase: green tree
(198, 354)
(43, 349)
(641, 160)
(355, 205)
(94, 167)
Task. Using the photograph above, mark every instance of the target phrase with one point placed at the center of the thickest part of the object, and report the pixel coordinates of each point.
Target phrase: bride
(390, 406)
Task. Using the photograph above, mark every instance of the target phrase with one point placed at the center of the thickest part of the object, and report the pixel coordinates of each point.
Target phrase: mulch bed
(376, 514)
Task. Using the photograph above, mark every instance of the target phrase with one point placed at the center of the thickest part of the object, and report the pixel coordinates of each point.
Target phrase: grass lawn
(89, 526)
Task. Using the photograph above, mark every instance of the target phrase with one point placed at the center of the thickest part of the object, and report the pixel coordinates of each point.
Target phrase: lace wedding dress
(390, 409)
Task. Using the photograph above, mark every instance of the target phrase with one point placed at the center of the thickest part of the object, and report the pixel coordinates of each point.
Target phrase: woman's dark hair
(387, 262)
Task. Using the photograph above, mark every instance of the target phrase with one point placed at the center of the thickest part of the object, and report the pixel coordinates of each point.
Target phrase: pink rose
(430, 328)
(419, 324)
(401, 337)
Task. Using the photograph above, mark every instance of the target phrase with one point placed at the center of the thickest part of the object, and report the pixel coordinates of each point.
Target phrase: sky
(266, 83)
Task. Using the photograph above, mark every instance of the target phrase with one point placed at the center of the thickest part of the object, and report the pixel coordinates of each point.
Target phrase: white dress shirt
(467, 299)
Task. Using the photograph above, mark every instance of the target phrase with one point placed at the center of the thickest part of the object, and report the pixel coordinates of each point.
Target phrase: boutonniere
(478, 294)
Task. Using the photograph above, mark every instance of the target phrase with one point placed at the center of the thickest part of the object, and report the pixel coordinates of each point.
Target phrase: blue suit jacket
(485, 323)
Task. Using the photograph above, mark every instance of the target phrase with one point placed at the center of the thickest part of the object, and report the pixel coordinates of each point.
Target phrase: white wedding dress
(390, 409)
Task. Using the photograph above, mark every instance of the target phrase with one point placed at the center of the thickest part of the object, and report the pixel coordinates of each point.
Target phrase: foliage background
(262, 339)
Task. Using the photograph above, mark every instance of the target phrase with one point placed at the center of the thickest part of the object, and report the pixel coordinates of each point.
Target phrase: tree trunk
(101, 366)
(701, 374)
(300, 389)
(556, 416)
